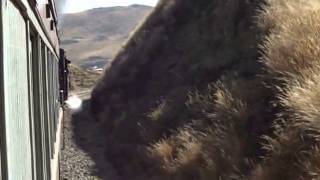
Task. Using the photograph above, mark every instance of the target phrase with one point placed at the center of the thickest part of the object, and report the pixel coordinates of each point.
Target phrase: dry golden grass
(211, 151)
(249, 123)
(292, 49)
(225, 144)
(302, 98)
(293, 46)
(163, 151)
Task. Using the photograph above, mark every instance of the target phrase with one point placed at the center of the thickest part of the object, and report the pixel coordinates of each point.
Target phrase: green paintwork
(17, 122)
(31, 93)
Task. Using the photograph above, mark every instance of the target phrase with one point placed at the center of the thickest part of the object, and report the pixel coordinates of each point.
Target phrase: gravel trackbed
(82, 150)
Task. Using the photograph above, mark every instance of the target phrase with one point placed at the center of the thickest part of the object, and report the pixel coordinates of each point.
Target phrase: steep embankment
(216, 89)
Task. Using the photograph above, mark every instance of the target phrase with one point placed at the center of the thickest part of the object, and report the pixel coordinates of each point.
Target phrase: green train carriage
(30, 104)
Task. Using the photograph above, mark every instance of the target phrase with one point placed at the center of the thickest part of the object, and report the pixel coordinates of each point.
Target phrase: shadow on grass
(90, 137)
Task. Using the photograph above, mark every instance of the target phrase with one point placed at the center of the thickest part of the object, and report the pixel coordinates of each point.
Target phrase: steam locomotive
(34, 86)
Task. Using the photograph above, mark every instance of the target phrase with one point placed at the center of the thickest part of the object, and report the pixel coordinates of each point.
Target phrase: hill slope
(216, 89)
(81, 79)
(93, 37)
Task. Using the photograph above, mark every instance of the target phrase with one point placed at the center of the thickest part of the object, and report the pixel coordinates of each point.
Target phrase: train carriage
(30, 103)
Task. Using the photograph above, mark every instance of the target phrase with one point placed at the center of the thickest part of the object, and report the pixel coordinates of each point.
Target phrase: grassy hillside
(216, 89)
(81, 79)
(93, 37)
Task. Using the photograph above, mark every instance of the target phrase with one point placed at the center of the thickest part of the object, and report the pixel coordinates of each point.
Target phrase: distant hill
(93, 37)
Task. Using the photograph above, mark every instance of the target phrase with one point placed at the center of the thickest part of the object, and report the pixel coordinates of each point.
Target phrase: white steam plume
(60, 5)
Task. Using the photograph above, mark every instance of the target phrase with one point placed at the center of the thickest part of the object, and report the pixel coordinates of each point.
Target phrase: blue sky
(73, 6)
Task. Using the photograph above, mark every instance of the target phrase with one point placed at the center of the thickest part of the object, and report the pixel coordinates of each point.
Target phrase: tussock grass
(292, 50)
(293, 46)
(239, 95)
(216, 146)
